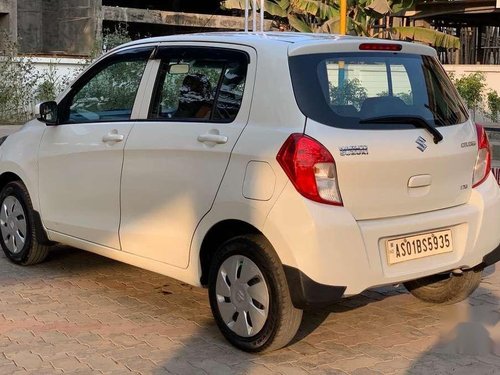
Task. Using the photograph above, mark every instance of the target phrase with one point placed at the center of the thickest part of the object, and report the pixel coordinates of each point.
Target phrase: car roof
(294, 42)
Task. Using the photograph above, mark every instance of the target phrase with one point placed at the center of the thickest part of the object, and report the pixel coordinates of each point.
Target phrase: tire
(445, 288)
(256, 288)
(18, 226)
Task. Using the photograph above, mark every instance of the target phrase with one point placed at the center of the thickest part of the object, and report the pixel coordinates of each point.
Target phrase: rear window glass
(345, 90)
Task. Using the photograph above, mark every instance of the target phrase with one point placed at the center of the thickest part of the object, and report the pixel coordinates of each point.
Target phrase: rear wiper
(417, 121)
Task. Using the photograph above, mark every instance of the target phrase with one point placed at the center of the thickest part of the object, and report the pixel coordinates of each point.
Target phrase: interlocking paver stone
(79, 313)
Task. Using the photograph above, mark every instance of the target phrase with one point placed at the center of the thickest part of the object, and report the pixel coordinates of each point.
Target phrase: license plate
(418, 246)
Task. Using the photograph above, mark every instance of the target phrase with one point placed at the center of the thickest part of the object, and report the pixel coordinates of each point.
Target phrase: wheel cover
(242, 296)
(13, 224)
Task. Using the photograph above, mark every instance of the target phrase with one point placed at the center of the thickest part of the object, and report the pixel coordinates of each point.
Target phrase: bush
(493, 100)
(472, 88)
(21, 85)
(17, 83)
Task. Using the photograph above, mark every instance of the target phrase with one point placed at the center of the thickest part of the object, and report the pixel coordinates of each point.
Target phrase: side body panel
(170, 178)
(80, 181)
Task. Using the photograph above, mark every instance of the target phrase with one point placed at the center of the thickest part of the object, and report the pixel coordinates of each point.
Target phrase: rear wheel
(445, 288)
(249, 295)
(17, 226)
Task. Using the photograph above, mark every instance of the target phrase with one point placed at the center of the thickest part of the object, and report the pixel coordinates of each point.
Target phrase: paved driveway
(82, 313)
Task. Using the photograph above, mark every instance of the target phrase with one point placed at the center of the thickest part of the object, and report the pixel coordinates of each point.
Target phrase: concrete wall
(8, 19)
(63, 67)
(58, 26)
(30, 30)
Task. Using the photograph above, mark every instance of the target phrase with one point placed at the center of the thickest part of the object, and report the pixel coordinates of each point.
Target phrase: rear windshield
(344, 89)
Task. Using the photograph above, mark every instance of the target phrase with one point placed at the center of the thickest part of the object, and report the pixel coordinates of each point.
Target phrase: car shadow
(471, 345)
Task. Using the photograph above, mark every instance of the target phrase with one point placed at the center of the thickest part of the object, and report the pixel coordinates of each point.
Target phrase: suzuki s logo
(421, 143)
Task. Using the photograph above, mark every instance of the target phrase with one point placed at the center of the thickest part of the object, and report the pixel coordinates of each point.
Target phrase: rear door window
(199, 85)
(344, 89)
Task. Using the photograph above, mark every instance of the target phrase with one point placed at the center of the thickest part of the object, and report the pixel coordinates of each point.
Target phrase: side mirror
(47, 112)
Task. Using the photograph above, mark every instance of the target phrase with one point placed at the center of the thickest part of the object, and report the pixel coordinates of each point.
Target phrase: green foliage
(363, 15)
(299, 15)
(113, 88)
(115, 38)
(471, 88)
(422, 34)
(351, 92)
(21, 85)
(18, 79)
(406, 97)
(493, 100)
(50, 84)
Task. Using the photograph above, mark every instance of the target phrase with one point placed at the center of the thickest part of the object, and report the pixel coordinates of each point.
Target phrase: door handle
(212, 138)
(113, 137)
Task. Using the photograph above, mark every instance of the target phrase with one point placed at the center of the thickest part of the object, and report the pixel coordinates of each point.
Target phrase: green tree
(493, 100)
(471, 88)
(351, 92)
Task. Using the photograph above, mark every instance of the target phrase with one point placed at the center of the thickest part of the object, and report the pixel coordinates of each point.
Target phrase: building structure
(71, 27)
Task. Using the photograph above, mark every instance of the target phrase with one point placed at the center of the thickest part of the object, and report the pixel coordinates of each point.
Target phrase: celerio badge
(421, 143)
(353, 150)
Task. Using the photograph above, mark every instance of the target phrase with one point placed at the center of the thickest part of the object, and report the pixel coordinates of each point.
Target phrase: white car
(283, 171)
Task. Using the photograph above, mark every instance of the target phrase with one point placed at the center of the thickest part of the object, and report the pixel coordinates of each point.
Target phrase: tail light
(311, 169)
(483, 160)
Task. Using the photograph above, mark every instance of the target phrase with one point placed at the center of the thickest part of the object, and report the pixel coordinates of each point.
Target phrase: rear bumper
(490, 259)
(331, 249)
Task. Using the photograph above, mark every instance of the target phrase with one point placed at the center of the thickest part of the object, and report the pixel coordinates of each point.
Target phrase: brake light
(311, 169)
(483, 160)
(380, 47)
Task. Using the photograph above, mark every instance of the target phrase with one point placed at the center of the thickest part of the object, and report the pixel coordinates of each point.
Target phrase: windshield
(344, 89)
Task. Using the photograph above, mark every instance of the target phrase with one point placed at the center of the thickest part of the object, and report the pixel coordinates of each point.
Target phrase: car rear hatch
(393, 122)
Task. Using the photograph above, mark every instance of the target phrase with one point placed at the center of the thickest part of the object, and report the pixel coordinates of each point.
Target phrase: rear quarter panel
(274, 115)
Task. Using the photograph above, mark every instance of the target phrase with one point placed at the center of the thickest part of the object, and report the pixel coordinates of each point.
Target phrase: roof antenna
(254, 16)
(246, 15)
(262, 16)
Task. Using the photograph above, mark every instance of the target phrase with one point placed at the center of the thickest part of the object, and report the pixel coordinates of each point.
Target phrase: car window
(197, 86)
(108, 93)
(345, 90)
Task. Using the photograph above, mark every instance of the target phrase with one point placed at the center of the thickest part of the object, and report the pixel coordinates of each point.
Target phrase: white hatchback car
(283, 171)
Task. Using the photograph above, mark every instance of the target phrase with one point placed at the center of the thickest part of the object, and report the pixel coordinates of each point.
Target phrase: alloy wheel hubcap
(242, 296)
(13, 224)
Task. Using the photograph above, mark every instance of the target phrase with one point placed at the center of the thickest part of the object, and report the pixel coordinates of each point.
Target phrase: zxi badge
(421, 143)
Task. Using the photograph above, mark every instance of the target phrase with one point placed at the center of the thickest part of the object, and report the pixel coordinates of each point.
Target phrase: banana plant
(363, 15)
(300, 15)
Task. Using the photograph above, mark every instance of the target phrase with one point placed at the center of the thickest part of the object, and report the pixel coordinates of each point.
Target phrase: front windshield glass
(345, 90)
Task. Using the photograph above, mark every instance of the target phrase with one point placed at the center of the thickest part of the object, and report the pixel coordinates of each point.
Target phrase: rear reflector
(380, 47)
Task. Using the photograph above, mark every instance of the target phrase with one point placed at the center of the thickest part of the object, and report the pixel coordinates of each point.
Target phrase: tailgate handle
(420, 180)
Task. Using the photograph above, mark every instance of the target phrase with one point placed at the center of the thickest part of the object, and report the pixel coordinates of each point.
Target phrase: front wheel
(17, 226)
(249, 295)
(445, 288)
